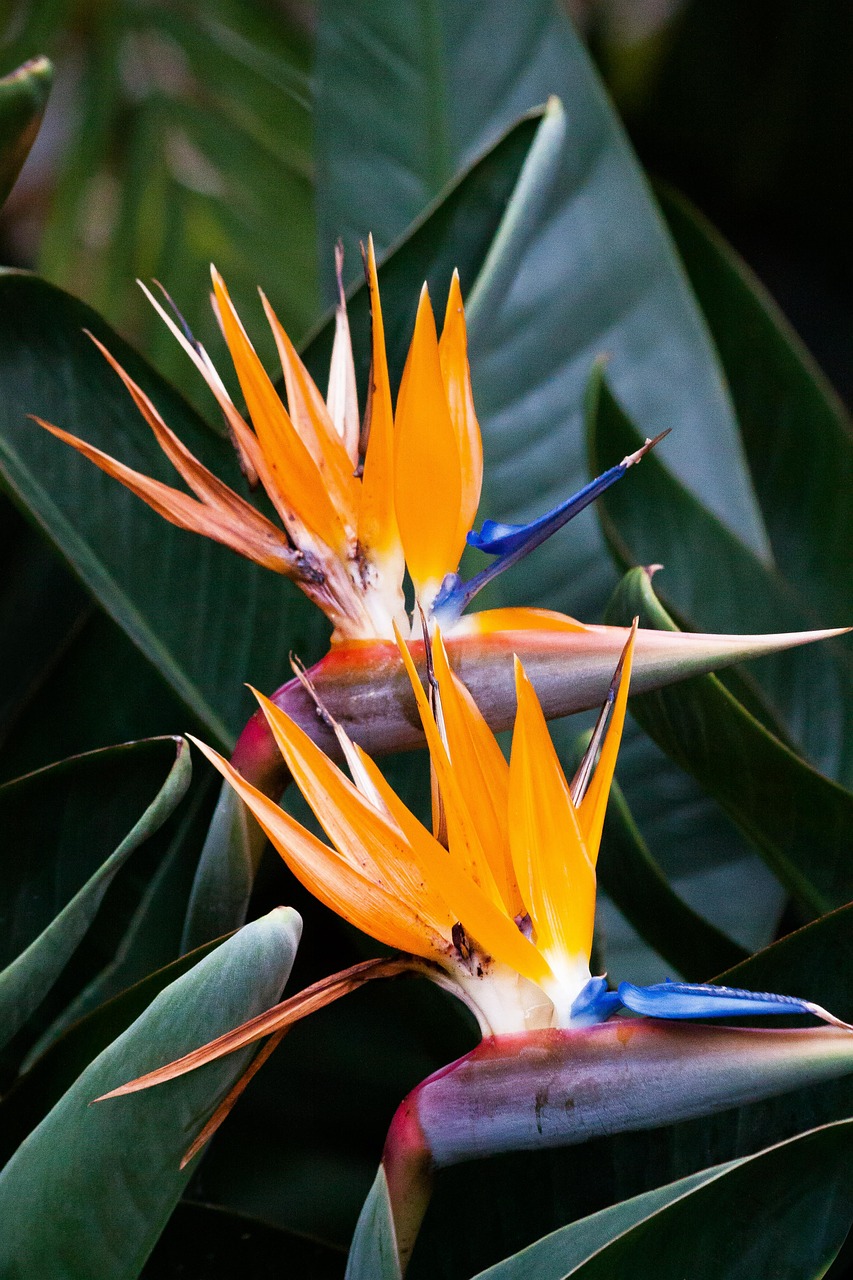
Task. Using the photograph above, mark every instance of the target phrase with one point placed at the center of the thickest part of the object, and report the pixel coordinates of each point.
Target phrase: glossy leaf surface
(373, 1252)
(798, 819)
(60, 878)
(811, 692)
(141, 569)
(797, 1192)
(637, 885)
(91, 1188)
(582, 248)
(796, 431)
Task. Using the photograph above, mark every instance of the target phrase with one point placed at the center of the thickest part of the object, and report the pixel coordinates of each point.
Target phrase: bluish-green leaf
(796, 431)
(373, 1253)
(53, 897)
(582, 265)
(800, 820)
(244, 620)
(45, 1080)
(149, 937)
(454, 232)
(781, 1213)
(632, 878)
(91, 1188)
(811, 689)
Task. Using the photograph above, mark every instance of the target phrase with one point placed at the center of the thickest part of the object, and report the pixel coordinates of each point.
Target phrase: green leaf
(582, 265)
(797, 434)
(454, 232)
(90, 1190)
(799, 820)
(150, 928)
(42, 608)
(373, 1253)
(810, 689)
(784, 1211)
(107, 689)
(226, 871)
(142, 570)
(552, 1257)
(45, 1080)
(637, 885)
(23, 98)
(52, 899)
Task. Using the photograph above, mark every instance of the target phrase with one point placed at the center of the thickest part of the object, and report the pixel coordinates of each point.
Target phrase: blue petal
(498, 539)
(694, 1000)
(509, 543)
(594, 1003)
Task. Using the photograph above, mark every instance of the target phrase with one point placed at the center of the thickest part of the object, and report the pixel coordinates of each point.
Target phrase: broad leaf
(797, 434)
(90, 1190)
(798, 819)
(455, 231)
(45, 1080)
(23, 97)
(373, 1253)
(552, 1257)
(582, 265)
(632, 878)
(42, 609)
(150, 926)
(55, 893)
(226, 871)
(811, 689)
(784, 1211)
(244, 620)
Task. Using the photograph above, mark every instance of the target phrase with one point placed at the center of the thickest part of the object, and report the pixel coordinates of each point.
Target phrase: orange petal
(515, 619)
(244, 440)
(593, 807)
(312, 420)
(555, 875)
(203, 483)
(336, 880)
(281, 1015)
(476, 757)
(494, 932)
(362, 833)
(453, 351)
(465, 840)
(298, 489)
(236, 524)
(377, 525)
(427, 469)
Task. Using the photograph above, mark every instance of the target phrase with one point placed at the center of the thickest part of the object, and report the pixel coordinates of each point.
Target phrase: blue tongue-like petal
(498, 539)
(509, 543)
(593, 1003)
(695, 1000)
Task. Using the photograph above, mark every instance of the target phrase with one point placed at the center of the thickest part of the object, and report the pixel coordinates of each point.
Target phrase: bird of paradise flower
(360, 502)
(496, 905)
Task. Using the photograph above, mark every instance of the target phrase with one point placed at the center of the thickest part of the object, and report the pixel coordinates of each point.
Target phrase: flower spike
(356, 501)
